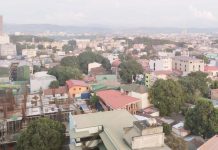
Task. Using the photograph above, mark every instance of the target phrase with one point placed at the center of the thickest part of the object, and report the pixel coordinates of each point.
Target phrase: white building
(4, 39)
(40, 80)
(137, 91)
(93, 65)
(161, 64)
(8, 50)
(29, 53)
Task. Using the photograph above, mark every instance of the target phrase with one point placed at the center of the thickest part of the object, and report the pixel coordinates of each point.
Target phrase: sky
(112, 13)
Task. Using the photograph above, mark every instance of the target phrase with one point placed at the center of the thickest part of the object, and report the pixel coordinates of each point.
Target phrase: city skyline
(113, 13)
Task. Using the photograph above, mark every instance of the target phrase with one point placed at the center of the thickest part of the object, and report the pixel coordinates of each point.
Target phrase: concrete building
(114, 130)
(93, 65)
(4, 39)
(40, 80)
(115, 100)
(137, 91)
(1, 25)
(76, 88)
(29, 53)
(187, 64)
(161, 64)
(8, 50)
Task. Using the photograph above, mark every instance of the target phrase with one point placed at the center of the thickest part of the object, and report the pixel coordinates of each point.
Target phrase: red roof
(71, 83)
(210, 68)
(60, 90)
(211, 144)
(116, 99)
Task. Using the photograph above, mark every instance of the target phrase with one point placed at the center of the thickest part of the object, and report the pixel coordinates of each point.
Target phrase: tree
(94, 99)
(89, 57)
(54, 85)
(214, 84)
(202, 120)
(70, 46)
(203, 57)
(167, 129)
(167, 96)
(128, 69)
(64, 73)
(195, 85)
(71, 61)
(176, 143)
(42, 134)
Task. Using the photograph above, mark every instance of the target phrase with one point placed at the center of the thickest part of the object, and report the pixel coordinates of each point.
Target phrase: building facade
(161, 64)
(187, 64)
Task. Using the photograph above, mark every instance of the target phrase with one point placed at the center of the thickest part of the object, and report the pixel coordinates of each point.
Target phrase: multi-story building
(1, 25)
(8, 50)
(187, 64)
(29, 53)
(114, 130)
(161, 64)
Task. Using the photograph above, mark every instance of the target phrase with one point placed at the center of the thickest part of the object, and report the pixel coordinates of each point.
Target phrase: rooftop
(116, 99)
(211, 144)
(135, 88)
(113, 130)
(71, 83)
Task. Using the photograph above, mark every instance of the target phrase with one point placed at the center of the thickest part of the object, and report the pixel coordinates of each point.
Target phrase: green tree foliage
(194, 86)
(128, 69)
(94, 99)
(28, 38)
(70, 61)
(167, 96)
(203, 57)
(70, 46)
(167, 129)
(176, 143)
(89, 57)
(202, 119)
(64, 73)
(214, 84)
(42, 134)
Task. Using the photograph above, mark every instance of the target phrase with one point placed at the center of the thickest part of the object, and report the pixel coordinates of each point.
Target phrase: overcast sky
(119, 13)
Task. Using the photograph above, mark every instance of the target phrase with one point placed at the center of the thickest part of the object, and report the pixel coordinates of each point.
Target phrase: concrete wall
(148, 141)
(144, 103)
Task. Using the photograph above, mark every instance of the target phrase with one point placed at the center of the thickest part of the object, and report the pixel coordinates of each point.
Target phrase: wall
(144, 103)
(149, 141)
(75, 90)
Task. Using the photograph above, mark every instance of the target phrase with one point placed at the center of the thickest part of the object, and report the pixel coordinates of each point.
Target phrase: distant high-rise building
(1, 25)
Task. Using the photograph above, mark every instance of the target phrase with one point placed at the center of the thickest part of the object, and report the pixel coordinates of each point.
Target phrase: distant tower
(1, 25)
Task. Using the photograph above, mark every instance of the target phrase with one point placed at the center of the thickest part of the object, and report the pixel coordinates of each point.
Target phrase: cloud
(203, 14)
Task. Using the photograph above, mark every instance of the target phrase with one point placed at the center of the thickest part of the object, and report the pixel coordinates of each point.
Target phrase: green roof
(108, 77)
(135, 88)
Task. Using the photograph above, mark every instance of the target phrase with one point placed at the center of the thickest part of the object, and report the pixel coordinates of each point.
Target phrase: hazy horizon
(113, 13)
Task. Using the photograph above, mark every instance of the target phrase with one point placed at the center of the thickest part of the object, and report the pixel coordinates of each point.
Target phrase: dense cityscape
(107, 90)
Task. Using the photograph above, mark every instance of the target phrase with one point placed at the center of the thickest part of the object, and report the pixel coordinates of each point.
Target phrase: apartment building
(187, 64)
(161, 64)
